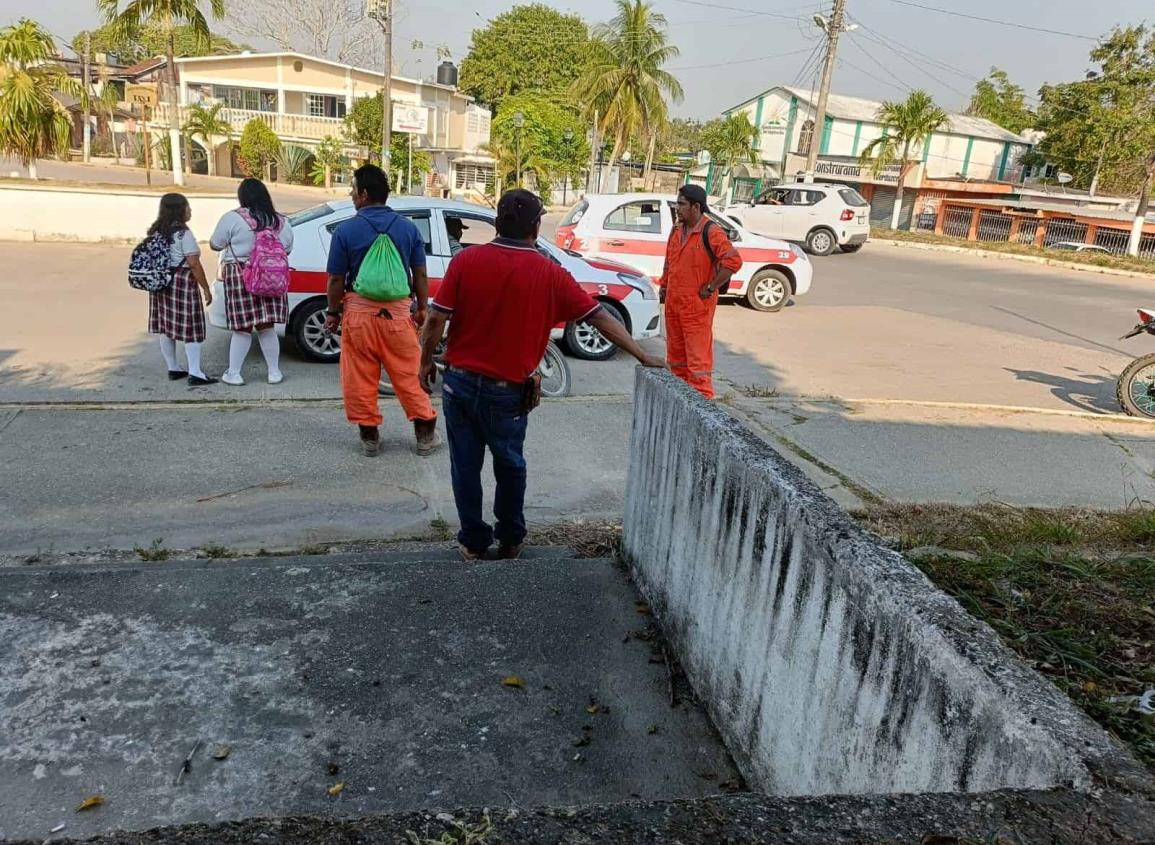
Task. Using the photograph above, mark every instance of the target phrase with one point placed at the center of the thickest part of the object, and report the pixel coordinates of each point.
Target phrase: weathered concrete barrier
(89, 215)
(829, 664)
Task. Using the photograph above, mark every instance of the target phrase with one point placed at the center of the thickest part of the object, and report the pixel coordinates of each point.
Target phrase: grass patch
(1072, 591)
(155, 552)
(460, 833)
(587, 539)
(1115, 262)
(215, 551)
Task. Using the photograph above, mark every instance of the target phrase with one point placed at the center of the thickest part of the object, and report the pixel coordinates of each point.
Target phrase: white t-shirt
(234, 239)
(184, 243)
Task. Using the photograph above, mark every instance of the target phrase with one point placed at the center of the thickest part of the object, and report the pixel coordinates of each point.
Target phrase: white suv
(821, 216)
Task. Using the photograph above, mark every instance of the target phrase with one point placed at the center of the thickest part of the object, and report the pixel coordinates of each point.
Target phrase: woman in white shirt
(234, 238)
(175, 312)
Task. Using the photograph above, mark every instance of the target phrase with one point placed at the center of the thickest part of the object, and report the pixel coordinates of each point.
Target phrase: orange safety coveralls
(689, 318)
(375, 335)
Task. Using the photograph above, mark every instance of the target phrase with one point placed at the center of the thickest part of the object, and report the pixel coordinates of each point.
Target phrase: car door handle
(616, 243)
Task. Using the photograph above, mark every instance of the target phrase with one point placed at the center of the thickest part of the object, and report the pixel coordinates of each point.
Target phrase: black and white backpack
(149, 269)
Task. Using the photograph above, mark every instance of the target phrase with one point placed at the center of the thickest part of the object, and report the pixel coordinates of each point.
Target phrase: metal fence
(957, 223)
(1147, 246)
(1113, 240)
(1028, 229)
(994, 226)
(1065, 230)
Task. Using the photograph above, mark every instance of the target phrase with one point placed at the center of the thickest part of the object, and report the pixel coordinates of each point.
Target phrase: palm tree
(905, 124)
(207, 124)
(33, 123)
(168, 14)
(512, 161)
(730, 142)
(624, 84)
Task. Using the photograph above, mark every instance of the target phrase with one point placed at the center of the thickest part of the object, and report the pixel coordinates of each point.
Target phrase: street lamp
(518, 122)
(568, 136)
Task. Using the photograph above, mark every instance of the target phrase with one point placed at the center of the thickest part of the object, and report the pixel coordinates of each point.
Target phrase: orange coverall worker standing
(689, 288)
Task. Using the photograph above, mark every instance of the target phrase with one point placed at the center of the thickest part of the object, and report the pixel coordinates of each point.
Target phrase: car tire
(821, 242)
(307, 329)
(851, 247)
(769, 291)
(583, 341)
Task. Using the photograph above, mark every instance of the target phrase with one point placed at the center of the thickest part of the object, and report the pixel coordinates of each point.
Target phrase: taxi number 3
(604, 290)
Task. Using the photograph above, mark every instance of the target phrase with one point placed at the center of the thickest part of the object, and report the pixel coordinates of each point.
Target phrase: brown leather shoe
(427, 437)
(510, 552)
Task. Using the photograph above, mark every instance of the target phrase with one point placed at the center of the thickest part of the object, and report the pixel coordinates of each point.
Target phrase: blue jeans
(478, 414)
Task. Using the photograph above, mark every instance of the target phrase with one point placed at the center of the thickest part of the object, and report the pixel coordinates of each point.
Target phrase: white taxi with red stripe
(629, 295)
(635, 228)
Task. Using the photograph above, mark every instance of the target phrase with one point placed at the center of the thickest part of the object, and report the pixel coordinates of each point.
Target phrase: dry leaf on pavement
(90, 802)
(513, 681)
(336, 789)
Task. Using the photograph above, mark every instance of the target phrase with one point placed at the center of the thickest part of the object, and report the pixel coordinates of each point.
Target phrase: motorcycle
(1136, 387)
(556, 380)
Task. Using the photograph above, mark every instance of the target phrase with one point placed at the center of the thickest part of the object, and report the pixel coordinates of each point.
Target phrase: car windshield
(313, 212)
(852, 198)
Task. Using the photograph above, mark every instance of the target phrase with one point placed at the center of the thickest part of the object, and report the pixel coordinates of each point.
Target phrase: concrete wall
(90, 216)
(829, 664)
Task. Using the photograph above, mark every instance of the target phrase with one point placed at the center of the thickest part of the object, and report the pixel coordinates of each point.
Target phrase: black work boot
(370, 440)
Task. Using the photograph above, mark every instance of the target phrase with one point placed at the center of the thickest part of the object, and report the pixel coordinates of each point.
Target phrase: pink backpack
(267, 271)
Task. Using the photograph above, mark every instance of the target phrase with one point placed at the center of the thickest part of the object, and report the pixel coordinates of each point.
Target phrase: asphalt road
(886, 323)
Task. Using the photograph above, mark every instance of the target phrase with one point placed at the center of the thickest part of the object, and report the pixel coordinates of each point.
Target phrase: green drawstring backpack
(382, 275)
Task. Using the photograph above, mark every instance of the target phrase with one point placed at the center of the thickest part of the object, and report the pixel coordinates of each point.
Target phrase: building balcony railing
(302, 126)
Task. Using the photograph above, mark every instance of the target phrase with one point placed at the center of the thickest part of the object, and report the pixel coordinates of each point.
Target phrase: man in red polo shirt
(501, 299)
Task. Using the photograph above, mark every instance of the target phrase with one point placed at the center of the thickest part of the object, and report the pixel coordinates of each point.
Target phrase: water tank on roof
(447, 74)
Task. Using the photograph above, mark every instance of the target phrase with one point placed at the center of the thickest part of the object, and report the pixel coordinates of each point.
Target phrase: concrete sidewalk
(928, 452)
(273, 475)
(382, 673)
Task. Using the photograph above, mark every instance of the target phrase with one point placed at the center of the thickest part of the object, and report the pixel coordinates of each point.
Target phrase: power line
(740, 61)
(996, 21)
(870, 34)
(725, 8)
(883, 67)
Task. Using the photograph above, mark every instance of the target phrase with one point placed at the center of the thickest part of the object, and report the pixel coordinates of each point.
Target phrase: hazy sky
(730, 55)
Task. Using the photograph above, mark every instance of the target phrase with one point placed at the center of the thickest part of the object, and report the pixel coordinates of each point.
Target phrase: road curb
(1025, 259)
(1025, 410)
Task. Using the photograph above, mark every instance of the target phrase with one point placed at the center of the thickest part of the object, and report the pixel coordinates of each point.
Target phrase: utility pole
(834, 28)
(87, 97)
(382, 12)
(593, 153)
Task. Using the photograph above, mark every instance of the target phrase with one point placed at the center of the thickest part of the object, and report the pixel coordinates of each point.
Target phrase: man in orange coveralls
(689, 286)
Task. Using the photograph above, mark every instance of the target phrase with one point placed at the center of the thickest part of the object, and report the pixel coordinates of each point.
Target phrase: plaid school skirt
(243, 311)
(177, 311)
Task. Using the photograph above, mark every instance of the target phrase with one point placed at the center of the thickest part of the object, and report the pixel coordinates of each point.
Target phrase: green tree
(1000, 101)
(33, 123)
(207, 124)
(625, 84)
(167, 14)
(258, 148)
(329, 156)
(730, 142)
(294, 163)
(1101, 129)
(363, 128)
(151, 40)
(528, 48)
(541, 141)
(907, 125)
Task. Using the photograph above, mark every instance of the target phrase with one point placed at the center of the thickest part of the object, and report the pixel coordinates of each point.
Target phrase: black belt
(488, 380)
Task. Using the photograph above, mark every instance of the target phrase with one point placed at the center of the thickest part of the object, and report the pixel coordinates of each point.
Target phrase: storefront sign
(853, 169)
(141, 95)
(411, 119)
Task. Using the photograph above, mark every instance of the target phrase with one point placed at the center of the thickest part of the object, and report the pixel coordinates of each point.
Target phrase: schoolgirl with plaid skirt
(176, 313)
(234, 238)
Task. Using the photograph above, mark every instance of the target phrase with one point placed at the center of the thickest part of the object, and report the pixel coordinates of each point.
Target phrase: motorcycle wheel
(555, 374)
(1136, 388)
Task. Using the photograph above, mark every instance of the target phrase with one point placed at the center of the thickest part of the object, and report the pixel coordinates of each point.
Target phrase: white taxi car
(628, 294)
(634, 228)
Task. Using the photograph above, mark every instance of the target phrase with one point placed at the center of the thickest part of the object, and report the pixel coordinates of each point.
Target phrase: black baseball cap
(696, 194)
(518, 210)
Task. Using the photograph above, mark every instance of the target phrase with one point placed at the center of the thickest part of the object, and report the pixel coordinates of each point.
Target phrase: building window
(314, 105)
(806, 138)
(472, 176)
(250, 99)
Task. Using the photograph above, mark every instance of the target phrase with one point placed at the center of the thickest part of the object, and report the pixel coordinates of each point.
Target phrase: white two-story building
(305, 99)
(969, 155)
